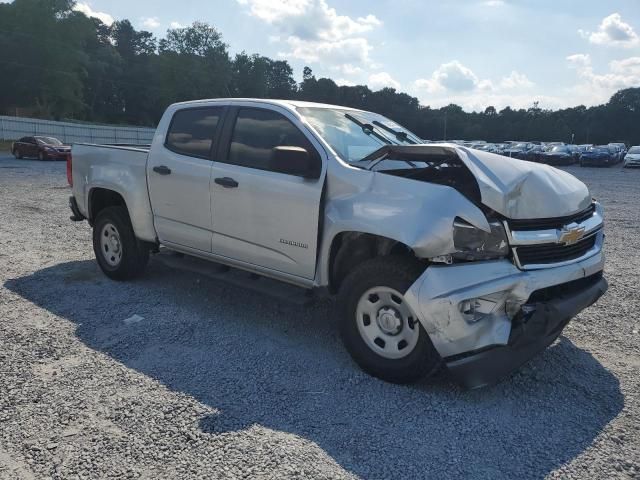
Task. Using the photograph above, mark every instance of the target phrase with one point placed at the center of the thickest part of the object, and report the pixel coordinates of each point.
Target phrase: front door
(179, 175)
(262, 217)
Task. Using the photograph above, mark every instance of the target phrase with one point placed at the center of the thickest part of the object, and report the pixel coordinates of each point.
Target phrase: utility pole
(445, 125)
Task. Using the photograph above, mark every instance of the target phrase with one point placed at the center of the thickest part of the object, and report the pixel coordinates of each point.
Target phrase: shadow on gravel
(257, 361)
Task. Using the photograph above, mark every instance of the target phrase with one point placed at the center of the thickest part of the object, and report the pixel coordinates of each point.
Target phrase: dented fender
(415, 213)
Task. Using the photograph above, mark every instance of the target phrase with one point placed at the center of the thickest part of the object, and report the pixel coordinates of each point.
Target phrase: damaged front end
(497, 293)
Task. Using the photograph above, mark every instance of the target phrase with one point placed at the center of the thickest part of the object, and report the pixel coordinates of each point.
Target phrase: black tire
(134, 256)
(398, 273)
(17, 154)
(41, 156)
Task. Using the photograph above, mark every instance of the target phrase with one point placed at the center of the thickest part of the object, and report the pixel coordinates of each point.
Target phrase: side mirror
(295, 161)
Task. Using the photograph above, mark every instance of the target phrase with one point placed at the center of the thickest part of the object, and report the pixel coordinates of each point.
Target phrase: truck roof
(290, 104)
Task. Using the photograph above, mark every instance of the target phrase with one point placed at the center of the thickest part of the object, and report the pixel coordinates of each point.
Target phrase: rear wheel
(379, 328)
(118, 252)
(17, 154)
(41, 156)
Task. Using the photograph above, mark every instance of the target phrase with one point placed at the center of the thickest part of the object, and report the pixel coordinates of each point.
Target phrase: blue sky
(471, 52)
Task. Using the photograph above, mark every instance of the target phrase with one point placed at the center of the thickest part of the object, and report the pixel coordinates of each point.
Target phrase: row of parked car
(556, 153)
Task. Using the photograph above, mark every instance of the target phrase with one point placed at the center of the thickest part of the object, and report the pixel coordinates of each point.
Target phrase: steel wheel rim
(110, 245)
(386, 323)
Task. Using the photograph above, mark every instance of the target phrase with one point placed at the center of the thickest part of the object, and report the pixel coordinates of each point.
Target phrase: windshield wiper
(368, 129)
(400, 135)
(382, 154)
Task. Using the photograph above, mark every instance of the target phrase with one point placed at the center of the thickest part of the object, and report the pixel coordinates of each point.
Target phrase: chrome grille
(545, 247)
(554, 253)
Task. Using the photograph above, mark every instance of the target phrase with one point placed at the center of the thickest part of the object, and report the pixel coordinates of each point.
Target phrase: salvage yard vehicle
(518, 150)
(42, 148)
(598, 156)
(437, 253)
(557, 155)
(632, 158)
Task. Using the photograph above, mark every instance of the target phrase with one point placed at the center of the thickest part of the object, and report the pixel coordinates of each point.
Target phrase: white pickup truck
(438, 254)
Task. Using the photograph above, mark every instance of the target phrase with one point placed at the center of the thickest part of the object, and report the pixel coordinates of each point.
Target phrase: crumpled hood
(519, 189)
(514, 188)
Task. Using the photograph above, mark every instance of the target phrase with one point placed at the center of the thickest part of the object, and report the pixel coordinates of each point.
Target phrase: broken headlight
(472, 243)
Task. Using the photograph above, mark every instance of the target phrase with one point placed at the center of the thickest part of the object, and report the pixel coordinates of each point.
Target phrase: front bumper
(596, 162)
(632, 162)
(549, 160)
(535, 327)
(482, 352)
(56, 155)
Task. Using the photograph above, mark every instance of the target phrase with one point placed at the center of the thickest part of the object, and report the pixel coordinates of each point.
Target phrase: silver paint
(416, 213)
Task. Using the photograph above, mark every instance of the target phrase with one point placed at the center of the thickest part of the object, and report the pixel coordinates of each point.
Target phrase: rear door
(262, 217)
(179, 174)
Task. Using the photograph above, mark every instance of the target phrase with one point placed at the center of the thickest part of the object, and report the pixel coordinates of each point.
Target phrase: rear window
(193, 130)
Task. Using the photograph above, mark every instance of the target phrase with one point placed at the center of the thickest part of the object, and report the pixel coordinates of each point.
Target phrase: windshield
(634, 150)
(560, 148)
(48, 141)
(521, 146)
(355, 134)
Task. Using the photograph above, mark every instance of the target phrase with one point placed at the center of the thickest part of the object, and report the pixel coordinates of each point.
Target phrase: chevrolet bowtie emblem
(571, 235)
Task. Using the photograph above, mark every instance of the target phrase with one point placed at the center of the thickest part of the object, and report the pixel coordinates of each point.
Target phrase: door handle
(226, 182)
(162, 170)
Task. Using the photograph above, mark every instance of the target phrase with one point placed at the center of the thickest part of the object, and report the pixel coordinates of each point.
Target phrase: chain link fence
(13, 128)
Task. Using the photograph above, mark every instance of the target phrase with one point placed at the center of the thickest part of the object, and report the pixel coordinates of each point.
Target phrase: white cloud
(612, 31)
(622, 74)
(452, 76)
(579, 60)
(479, 100)
(343, 82)
(494, 3)
(516, 80)
(348, 69)
(150, 22)
(341, 52)
(175, 25)
(454, 82)
(89, 12)
(381, 80)
(597, 88)
(315, 32)
(271, 12)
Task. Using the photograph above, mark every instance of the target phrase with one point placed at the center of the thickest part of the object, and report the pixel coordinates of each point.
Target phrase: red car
(42, 148)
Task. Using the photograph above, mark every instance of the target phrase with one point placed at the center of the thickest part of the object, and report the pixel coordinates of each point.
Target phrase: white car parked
(632, 158)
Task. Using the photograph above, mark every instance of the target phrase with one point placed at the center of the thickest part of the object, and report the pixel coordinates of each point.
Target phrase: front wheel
(379, 328)
(17, 154)
(118, 251)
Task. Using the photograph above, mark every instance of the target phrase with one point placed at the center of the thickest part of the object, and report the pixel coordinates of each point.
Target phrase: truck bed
(119, 168)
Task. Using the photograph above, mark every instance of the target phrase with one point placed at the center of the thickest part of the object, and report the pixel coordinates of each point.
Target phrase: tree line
(58, 63)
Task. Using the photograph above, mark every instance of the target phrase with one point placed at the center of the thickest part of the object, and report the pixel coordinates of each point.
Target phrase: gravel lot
(219, 382)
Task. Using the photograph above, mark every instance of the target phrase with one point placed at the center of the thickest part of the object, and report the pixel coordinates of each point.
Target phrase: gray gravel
(218, 382)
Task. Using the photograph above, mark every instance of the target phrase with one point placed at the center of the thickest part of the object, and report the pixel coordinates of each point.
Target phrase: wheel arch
(100, 198)
(351, 248)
